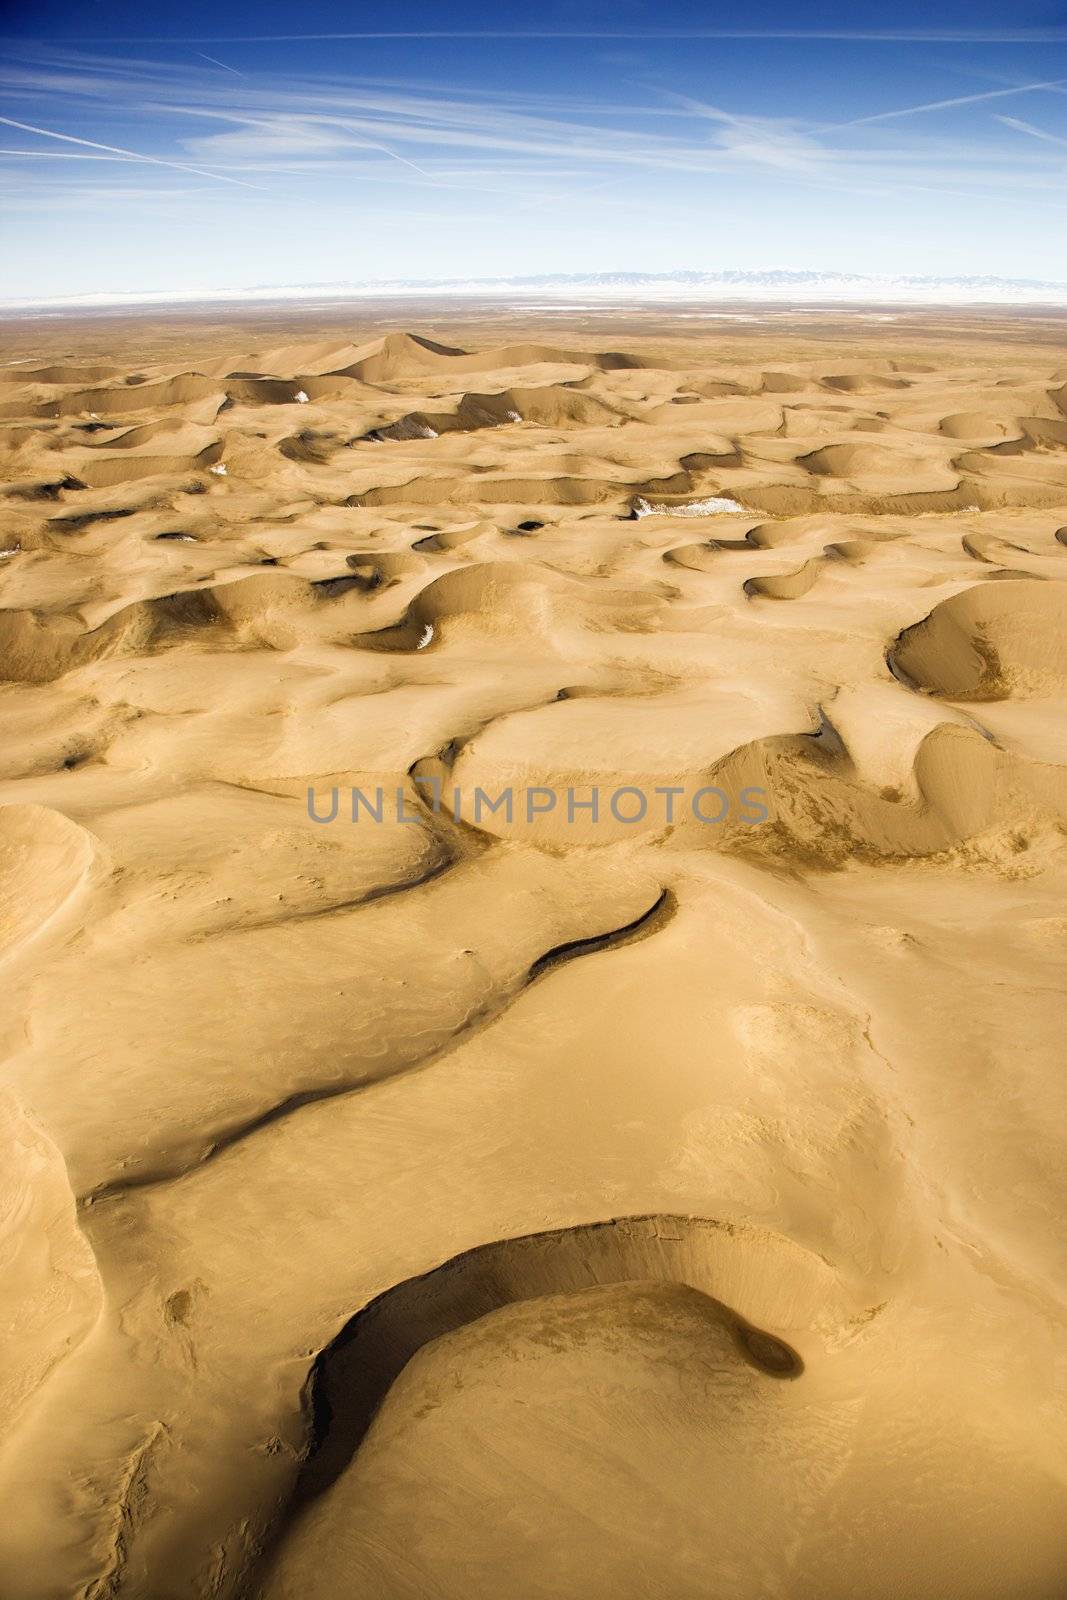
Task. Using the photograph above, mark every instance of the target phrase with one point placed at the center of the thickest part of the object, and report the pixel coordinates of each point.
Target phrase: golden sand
(660, 1206)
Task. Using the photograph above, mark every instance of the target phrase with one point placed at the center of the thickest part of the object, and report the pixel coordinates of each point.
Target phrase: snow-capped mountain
(593, 288)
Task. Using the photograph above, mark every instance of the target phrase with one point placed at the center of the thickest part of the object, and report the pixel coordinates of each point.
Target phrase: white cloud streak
(954, 103)
(925, 36)
(516, 147)
(1035, 133)
(236, 72)
(116, 150)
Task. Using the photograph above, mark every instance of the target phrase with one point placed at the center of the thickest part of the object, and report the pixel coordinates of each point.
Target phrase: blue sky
(152, 147)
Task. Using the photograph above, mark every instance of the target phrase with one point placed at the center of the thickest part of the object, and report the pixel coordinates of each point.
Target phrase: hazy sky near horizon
(215, 144)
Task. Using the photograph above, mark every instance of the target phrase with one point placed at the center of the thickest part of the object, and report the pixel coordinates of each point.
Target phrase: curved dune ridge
(352, 1377)
(562, 1349)
(850, 460)
(972, 425)
(485, 932)
(786, 585)
(556, 1406)
(58, 375)
(990, 644)
(41, 647)
(49, 1281)
(531, 914)
(498, 597)
(505, 491)
(118, 401)
(548, 406)
(403, 355)
(823, 813)
(44, 860)
(107, 471)
(269, 610)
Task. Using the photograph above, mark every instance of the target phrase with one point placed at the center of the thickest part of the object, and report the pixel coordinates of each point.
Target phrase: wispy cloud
(942, 35)
(266, 137)
(1035, 133)
(763, 141)
(60, 155)
(327, 172)
(215, 63)
(955, 102)
(115, 150)
(529, 149)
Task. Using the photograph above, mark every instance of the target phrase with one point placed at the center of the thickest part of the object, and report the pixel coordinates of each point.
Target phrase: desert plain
(417, 1203)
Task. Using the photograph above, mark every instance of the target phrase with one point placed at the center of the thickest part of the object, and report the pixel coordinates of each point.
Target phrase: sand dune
(786, 585)
(990, 643)
(352, 1377)
(531, 908)
(551, 405)
(51, 1288)
(44, 861)
(130, 397)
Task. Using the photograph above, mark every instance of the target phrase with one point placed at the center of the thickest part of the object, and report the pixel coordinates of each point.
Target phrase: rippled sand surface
(644, 1182)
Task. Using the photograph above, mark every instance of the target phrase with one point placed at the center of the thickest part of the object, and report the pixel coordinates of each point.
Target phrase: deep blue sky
(627, 136)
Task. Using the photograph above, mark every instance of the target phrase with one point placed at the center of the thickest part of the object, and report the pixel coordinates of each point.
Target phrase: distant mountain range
(580, 288)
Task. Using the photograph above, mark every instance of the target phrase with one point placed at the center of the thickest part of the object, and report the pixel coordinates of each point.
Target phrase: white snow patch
(219, 469)
(301, 398)
(716, 505)
(427, 635)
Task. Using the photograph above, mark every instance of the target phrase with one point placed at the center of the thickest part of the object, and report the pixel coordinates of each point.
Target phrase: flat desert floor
(427, 1188)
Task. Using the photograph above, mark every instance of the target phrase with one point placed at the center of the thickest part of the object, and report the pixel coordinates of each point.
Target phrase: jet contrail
(1032, 36)
(131, 155)
(1035, 133)
(948, 105)
(235, 70)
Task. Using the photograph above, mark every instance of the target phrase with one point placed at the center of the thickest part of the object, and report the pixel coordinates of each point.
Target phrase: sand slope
(658, 1200)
